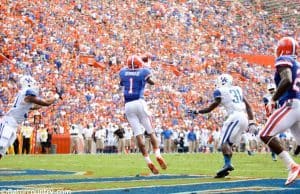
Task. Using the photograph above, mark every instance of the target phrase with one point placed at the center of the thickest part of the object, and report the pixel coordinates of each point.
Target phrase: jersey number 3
(237, 98)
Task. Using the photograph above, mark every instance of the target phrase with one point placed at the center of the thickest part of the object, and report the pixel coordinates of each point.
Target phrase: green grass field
(120, 165)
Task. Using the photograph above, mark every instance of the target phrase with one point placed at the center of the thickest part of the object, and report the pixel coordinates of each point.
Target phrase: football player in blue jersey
(27, 99)
(287, 80)
(133, 79)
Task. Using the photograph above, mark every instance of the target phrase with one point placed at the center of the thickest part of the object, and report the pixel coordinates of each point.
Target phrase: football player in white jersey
(239, 117)
(26, 100)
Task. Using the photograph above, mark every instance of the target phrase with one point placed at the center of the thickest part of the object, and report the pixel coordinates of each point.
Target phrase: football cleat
(153, 168)
(293, 173)
(161, 162)
(224, 171)
(221, 175)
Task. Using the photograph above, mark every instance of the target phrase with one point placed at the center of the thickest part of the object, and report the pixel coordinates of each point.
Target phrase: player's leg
(296, 135)
(231, 133)
(144, 117)
(131, 111)
(7, 136)
(282, 119)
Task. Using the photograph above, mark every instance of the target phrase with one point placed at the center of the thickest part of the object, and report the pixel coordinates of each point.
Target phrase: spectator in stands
(167, 138)
(100, 135)
(74, 134)
(192, 138)
(128, 139)
(27, 131)
(119, 134)
(17, 142)
(43, 133)
(87, 134)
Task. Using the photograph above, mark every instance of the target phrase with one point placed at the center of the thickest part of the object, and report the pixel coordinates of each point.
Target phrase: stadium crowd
(49, 39)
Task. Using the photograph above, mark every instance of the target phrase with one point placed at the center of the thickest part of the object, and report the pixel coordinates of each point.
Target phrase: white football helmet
(271, 86)
(28, 82)
(224, 80)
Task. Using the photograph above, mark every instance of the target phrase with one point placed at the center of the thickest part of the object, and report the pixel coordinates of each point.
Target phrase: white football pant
(8, 127)
(138, 115)
(233, 128)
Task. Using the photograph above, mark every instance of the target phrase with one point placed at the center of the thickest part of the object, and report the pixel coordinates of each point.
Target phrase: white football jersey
(231, 98)
(20, 108)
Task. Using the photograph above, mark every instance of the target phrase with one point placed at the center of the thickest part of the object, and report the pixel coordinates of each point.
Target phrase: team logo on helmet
(28, 82)
(224, 80)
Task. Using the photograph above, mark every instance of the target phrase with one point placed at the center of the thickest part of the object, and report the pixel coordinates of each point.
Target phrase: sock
(287, 159)
(227, 160)
(147, 158)
(156, 152)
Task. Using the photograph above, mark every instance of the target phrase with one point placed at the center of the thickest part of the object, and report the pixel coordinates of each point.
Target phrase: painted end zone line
(241, 186)
(90, 180)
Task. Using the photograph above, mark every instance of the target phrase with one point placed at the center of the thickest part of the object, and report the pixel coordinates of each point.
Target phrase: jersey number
(16, 102)
(130, 85)
(237, 98)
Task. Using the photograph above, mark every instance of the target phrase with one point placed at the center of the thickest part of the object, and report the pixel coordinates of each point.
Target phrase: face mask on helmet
(287, 46)
(28, 82)
(224, 80)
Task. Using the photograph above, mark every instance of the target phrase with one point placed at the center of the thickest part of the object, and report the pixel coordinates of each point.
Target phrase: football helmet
(134, 62)
(28, 82)
(224, 80)
(287, 46)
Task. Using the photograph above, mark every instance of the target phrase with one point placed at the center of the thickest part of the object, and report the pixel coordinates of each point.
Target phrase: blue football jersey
(134, 81)
(293, 92)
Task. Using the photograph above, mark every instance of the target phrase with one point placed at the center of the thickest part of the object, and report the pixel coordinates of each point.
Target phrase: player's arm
(248, 109)
(150, 81)
(211, 107)
(39, 101)
(148, 76)
(217, 101)
(285, 82)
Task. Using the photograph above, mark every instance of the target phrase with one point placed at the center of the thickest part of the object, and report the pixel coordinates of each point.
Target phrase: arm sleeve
(283, 62)
(217, 94)
(265, 100)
